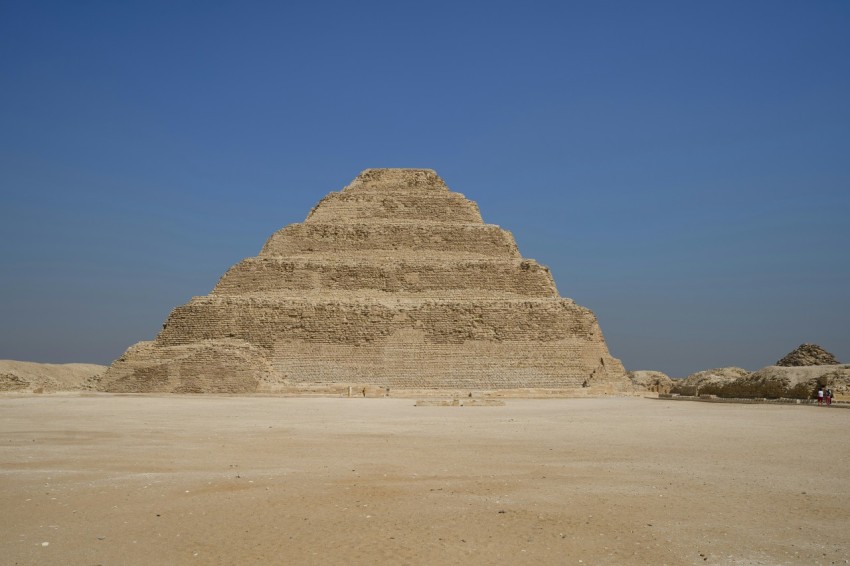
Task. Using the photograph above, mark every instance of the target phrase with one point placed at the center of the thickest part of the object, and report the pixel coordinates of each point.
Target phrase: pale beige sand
(239, 480)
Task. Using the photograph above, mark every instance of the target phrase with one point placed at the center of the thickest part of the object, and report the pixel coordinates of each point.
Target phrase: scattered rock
(12, 382)
(459, 403)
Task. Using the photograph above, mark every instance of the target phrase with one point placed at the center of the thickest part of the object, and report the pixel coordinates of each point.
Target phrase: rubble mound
(808, 355)
(395, 282)
(652, 381)
(771, 382)
(707, 382)
(35, 377)
(796, 382)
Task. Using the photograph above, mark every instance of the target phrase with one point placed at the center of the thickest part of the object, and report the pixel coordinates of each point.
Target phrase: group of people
(824, 396)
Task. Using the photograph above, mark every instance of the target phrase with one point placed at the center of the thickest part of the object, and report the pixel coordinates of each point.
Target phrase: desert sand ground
(99, 479)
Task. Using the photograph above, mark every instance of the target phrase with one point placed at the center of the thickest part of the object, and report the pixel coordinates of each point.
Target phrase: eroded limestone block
(651, 381)
(204, 366)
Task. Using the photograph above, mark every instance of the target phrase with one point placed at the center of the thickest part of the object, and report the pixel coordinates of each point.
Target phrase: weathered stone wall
(363, 206)
(264, 321)
(395, 282)
(391, 240)
(206, 366)
(404, 278)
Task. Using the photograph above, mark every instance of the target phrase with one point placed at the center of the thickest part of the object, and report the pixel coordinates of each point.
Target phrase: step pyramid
(393, 283)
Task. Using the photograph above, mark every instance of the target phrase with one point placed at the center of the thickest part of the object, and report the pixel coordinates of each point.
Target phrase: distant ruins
(393, 283)
(798, 375)
(808, 355)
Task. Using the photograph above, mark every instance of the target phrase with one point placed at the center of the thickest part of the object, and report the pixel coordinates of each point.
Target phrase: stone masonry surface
(393, 283)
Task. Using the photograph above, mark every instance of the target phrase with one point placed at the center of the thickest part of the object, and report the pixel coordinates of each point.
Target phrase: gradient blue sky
(683, 167)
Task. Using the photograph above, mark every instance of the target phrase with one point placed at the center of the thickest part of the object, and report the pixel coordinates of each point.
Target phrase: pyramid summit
(395, 282)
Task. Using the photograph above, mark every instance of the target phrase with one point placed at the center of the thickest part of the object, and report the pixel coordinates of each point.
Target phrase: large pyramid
(393, 283)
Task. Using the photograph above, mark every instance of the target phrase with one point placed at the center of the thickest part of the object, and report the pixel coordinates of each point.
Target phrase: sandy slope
(29, 376)
(237, 480)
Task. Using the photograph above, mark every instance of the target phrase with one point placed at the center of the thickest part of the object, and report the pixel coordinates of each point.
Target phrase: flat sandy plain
(103, 479)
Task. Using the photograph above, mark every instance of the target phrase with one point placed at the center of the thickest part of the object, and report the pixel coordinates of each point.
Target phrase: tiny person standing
(820, 395)
(828, 396)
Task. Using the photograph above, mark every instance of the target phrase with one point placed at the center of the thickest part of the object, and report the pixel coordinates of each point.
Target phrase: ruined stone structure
(650, 381)
(393, 283)
(808, 355)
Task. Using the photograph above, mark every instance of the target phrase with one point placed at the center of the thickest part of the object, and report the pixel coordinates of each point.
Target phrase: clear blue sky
(683, 167)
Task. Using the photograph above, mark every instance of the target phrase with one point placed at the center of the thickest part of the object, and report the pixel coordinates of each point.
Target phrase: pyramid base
(387, 367)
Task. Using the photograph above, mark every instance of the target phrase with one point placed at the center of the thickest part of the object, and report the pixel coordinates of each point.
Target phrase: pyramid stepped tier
(460, 240)
(398, 181)
(393, 283)
(266, 322)
(534, 342)
(371, 206)
(409, 278)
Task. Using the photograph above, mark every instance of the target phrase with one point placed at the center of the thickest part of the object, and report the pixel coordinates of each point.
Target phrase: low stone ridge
(808, 355)
(707, 382)
(393, 283)
(651, 381)
(771, 382)
(32, 377)
(797, 382)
